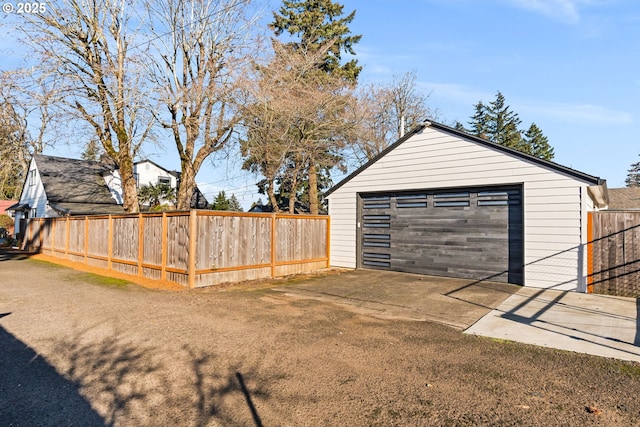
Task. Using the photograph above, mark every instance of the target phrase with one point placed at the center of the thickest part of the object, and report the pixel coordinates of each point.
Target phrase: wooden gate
(614, 253)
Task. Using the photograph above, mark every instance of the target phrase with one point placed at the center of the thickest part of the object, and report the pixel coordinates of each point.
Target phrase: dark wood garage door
(474, 233)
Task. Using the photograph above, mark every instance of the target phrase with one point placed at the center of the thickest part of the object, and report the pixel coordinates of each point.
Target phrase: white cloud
(562, 10)
(578, 114)
(456, 93)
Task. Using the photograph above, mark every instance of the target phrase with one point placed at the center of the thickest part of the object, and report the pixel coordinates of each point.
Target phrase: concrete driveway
(454, 302)
(585, 323)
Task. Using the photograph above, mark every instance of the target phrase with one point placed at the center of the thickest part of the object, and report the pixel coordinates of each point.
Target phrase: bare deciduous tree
(21, 100)
(297, 121)
(88, 44)
(195, 65)
(14, 152)
(385, 111)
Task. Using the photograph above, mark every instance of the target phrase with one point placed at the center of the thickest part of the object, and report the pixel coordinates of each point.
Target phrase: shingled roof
(76, 186)
(624, 198)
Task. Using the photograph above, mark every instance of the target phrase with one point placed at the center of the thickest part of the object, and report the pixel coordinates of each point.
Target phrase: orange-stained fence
(196, 248)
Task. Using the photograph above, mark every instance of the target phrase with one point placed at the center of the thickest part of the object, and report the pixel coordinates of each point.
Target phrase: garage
(444, 203)
(472, 233)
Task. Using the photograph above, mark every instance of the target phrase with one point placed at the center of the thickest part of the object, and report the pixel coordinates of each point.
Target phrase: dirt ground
(78, 349)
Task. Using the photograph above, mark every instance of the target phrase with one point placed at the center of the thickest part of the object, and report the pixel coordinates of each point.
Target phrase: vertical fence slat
(140, 242)
(273, 245)
(193, 226)
(163, 239)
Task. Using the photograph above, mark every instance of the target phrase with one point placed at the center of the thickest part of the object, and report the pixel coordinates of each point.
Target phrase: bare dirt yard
(82, 350)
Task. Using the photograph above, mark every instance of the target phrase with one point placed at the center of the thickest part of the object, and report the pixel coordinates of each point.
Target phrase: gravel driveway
(78, 349)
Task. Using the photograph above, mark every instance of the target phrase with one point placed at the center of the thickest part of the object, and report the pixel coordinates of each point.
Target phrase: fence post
(41, 235)
(193, 230)
(28, 235)
(52, 236)
(273, 245)
(589, 252)
(67, 233)
(86, 239)
(140, 242)
(163, 262)
(110, 242)
(327, 224)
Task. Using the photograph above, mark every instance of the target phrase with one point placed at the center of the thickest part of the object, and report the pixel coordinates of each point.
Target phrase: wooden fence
(613, 253)
(194, 249)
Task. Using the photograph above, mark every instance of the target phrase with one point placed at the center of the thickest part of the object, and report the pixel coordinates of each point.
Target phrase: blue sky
(570, 66)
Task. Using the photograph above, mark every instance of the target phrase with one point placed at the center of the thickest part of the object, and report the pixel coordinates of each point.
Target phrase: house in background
(442, 202)
(4, 205)
(58, 186)
(627, 198)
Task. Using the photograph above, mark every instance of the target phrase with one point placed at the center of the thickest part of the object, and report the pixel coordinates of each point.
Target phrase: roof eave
(599, 194)
(586, 178)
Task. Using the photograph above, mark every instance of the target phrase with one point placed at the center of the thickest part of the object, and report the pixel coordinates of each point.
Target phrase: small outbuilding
(442, 202)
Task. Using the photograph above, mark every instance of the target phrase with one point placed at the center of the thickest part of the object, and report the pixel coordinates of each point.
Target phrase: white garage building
(441, 202)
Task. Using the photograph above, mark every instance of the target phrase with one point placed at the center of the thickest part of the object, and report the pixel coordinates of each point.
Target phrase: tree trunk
(187, 184)
(292, 193)
(313, 189)
(129, 188)
(271, 192)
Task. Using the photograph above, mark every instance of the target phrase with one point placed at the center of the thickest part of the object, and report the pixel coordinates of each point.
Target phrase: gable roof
(6, 204)
(624, 198)
(154, 164)
(74, 181)
(590, 179)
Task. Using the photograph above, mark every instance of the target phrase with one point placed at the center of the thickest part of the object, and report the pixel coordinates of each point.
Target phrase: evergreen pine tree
(536, 144)
(633, 176)
(479, 121)
(221, 203)
(502, 123)
(312, 23)
(497, 123)
(234, 204)
(92, 150)
(459, 126)
(318, 31)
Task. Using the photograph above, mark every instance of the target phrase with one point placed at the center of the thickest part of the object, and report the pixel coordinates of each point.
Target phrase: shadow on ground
(125, 382)
(8, 254)
(32, 393)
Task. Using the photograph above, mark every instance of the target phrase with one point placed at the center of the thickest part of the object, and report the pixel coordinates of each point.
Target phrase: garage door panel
(469, 233)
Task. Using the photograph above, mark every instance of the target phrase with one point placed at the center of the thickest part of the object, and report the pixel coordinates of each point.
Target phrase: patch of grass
(632, 371)
(96, 279)
(47, 264)
(500, 340)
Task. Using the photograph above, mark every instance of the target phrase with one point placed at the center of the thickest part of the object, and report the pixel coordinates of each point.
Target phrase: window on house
(32, 177)
(136, 176)
(33, 213)
(164, 180)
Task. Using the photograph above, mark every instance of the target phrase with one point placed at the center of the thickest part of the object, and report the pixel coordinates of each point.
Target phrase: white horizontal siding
(436, 159)
(342, 211)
